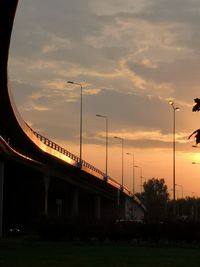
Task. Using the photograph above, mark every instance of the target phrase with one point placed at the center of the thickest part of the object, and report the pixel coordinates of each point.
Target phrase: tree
(197, 105)
(195, 108)
(155, 198)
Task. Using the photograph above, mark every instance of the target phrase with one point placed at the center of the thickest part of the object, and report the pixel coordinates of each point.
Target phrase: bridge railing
(65, 152)
(114, 183)
(62, 150)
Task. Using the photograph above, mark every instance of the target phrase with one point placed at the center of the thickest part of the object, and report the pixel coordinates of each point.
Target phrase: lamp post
(172, 190)
(81, 119)
(106, 120)
(174, 147)
(195, 163)
(194, 194)
(133, 178)
(140, 175)
(122, 142)
(181, 189)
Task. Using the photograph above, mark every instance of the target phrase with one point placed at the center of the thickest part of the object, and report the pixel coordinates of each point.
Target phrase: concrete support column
(118, 196)
(46, 193)
(1, 196)
(75, 202)
(97, 207)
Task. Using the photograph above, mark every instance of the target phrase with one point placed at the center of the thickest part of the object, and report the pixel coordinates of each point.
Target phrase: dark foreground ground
(26, 253)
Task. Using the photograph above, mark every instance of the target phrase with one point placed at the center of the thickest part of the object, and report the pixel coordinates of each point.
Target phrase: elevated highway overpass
(40, 178)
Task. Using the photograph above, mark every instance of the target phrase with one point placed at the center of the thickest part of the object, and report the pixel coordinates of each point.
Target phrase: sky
(131, 58)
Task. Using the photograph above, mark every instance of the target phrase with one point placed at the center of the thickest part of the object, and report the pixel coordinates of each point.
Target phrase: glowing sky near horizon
(131, 57)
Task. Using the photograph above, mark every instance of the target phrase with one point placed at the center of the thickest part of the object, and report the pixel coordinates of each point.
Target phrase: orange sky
(131, 59)
(156, 163)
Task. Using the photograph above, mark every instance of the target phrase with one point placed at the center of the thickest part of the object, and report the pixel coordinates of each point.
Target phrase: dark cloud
(86, 55)
(125, 111)
(38, 21)
(21, 91)
(181, 11)
(64, 34)
(182, 73)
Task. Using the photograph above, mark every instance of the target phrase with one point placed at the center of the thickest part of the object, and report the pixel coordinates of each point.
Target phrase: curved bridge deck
(40, 178)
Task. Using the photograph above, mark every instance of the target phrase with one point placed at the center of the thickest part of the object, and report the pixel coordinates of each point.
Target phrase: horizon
(131, 59)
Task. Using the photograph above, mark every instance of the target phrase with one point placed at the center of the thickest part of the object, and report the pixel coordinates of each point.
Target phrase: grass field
(20, 253)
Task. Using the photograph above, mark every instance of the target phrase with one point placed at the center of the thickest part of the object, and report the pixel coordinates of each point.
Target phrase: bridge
(40, 178)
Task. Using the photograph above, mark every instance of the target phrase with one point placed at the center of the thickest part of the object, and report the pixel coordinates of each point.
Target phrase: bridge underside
(39, 179)
(31, 196)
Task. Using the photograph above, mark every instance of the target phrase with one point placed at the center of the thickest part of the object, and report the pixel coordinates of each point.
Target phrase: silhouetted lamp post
(194, 194)
(174, 147)
(81, 119)
(122, 142)
(198, 164)
(106, 120)
(181, 189)
(133, 178)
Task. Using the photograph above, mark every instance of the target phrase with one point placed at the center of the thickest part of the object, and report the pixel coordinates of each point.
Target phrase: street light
(181, 189)
(122, 141)
(81, 119)
(176, 194)
(140, 175)
(195, 163)
(194, 194)
(133, 179)
(174, 146)
(106, 120)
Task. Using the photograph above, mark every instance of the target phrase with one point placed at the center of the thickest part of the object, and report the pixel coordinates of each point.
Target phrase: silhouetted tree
(195, 108)
(197, 136)
(188, 209)
(155, 198)
(197, 105)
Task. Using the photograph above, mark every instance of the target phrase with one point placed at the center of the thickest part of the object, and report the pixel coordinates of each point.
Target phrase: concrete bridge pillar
(97, 207)
(46, 193)
(75, 202)
(1, 196)
(118, 196)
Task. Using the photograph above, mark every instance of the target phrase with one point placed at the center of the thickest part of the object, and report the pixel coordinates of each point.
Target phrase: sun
(194, 157)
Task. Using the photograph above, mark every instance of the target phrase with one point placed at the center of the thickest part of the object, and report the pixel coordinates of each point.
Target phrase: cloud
(131, 57)
(108, 8)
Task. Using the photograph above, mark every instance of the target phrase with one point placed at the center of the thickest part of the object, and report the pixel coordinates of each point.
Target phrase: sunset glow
(131, 58)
